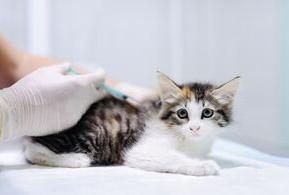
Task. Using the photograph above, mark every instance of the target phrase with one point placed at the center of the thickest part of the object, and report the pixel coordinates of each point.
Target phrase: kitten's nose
(195, 128)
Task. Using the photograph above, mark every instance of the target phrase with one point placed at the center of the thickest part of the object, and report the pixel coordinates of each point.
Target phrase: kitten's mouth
(196, 134)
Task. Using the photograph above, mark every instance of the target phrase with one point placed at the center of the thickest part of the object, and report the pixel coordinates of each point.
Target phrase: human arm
(47, 101)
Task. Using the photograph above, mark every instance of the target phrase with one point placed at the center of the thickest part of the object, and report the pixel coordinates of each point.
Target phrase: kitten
(166, 134)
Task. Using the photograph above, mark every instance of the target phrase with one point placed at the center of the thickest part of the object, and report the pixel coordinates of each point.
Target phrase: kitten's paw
(205, 168)
(78, 160)
(211, 167)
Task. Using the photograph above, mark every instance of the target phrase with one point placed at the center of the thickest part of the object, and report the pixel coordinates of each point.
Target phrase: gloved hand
(47, 101)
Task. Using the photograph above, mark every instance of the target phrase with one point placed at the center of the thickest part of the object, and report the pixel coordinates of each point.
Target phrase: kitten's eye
(182, 113)
(207, 113)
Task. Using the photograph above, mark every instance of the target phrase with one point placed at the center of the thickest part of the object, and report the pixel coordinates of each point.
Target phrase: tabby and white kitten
(168, 134)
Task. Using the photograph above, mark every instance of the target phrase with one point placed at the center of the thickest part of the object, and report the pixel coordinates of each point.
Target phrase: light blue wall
(285, 71)
(216, 41)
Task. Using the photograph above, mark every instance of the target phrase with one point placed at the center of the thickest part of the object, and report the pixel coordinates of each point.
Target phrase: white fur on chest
(162, 150)
(157, 138)
(196, 149)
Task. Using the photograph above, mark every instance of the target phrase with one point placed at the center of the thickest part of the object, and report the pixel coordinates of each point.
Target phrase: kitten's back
(105, 131)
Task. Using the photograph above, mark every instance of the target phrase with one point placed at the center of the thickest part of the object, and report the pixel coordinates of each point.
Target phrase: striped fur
(105, 131)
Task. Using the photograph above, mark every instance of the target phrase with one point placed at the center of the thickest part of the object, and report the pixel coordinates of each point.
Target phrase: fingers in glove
(95, 78)
(61, 68)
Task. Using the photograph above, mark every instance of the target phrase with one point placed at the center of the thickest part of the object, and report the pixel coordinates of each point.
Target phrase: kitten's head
(196, 110)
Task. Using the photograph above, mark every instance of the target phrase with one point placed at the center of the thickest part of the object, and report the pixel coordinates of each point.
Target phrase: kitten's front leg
(171, 162)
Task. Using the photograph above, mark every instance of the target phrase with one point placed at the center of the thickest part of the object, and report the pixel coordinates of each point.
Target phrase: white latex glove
(47, 101)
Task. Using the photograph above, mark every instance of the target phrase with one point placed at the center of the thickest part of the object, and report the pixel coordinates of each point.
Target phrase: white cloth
(47, 101)
(241, 174)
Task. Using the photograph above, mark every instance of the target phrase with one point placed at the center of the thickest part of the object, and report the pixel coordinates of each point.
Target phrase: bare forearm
(8, 62)
(27, 63)
(15, 64)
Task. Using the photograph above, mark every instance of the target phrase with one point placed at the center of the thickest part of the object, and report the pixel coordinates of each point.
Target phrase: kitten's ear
(169, 90)
(225, 93)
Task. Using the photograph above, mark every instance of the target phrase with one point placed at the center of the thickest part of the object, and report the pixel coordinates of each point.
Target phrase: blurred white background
(191, 40)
